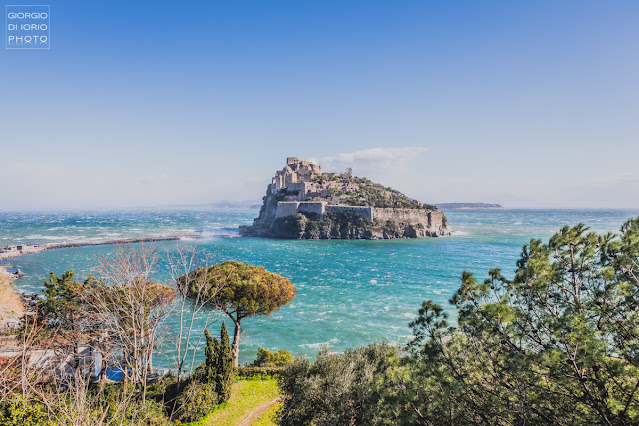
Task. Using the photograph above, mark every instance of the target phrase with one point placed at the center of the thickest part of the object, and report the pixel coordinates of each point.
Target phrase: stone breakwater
(20, 250)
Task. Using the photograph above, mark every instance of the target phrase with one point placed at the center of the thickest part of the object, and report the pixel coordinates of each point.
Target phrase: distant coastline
(469, 206)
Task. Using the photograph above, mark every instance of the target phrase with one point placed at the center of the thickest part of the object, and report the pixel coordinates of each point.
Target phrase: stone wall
(291, 208)
(403, 215)
(364, 212)
(317, 207)
(436, 220)
(430, 219)
(286, 208)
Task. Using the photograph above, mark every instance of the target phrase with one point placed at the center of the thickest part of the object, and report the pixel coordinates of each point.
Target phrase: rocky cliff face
(310, 208)
(349, 227)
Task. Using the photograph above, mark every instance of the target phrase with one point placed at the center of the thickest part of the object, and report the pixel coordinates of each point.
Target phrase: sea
(349, 293)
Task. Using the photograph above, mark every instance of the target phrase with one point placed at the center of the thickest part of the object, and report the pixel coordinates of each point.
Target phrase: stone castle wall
(364, 212)
(317, 207)
(431, 219)
(436, 220)
(286, 208)
(291, 208)
(402, 215)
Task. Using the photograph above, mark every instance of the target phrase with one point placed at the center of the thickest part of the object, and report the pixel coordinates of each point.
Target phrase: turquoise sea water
(349, 293)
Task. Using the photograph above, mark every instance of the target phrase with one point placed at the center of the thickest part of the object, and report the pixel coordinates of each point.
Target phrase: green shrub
(218, 367)
(225, 367)
(196, 400)
(282, 358)
(21, 413)
(336, 389)
(212, 352)
(259, 373)
(150, 413)
(266, 358)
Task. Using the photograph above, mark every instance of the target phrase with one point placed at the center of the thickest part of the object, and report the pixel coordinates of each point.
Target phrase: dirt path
(258, 411)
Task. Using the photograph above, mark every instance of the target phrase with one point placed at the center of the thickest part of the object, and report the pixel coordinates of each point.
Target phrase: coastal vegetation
(240, 291)
(557, 344)
(266, 358)
(85, 353)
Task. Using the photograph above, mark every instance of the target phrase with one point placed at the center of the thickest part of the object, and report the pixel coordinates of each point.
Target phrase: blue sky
(527, 103)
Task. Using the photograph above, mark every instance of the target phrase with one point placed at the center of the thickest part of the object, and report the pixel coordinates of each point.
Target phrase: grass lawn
(246, 395)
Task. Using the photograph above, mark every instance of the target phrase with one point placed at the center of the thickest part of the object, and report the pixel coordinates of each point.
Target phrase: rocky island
(301, 202)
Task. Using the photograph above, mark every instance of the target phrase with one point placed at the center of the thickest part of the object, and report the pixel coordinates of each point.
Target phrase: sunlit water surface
(349, 293)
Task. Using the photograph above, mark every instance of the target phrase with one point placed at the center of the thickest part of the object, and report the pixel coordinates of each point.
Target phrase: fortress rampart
(291, 208)
(412, 216)
(426, 217)
(365, 212)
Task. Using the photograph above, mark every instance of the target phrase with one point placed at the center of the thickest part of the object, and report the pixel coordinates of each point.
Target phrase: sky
(526, 103)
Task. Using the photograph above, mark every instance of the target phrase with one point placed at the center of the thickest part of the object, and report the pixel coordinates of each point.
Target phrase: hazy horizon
(524, 104)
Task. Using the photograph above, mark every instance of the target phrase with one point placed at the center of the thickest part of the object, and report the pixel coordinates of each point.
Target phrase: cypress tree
(212, 352)
(226, 369)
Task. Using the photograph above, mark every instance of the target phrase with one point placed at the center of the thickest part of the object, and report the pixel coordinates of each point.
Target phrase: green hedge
(250, 372)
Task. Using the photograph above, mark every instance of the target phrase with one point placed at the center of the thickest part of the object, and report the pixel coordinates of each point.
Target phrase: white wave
(49, 237)
(319, 344)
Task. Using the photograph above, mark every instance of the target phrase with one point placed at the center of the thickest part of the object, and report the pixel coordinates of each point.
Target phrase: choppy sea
(349, 293)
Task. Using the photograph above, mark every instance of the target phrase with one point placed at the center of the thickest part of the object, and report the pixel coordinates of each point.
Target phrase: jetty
(10, 251)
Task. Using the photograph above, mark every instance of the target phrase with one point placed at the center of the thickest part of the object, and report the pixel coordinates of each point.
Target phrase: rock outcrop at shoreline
(304, 203)
(12, 306)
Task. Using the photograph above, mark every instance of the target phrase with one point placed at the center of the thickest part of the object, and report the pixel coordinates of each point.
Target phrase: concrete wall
(364, 212)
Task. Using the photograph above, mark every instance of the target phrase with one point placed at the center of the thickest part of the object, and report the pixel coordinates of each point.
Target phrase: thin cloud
(621, 178)
(387, 158)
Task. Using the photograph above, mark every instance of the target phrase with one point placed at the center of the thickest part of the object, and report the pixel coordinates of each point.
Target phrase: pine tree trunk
(235, 347)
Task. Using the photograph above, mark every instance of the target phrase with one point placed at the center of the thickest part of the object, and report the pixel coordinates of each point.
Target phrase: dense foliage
(558, 344)
(359, 191)
(196, 400)
(22, 413)
(219, 368)
(266, 358)
(60, 303)
(336, 389)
